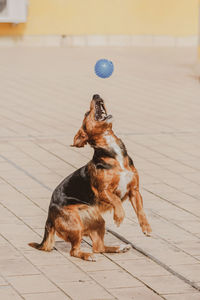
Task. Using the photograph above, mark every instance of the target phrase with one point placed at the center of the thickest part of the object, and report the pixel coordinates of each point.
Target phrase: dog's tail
(48, 240)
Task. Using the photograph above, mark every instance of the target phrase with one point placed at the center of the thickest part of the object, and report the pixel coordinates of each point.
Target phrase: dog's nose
(95, 97)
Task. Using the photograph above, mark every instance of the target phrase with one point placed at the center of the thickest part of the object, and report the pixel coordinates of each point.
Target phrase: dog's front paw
(119, 216)
(146, 229)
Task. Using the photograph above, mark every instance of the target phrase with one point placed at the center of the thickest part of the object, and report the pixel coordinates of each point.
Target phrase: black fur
(102, 152)
(74, 189)
(103, 165)
(130, 161)
(99, 153)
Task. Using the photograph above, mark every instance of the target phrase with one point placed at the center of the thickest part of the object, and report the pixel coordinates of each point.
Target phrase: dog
(101, 185)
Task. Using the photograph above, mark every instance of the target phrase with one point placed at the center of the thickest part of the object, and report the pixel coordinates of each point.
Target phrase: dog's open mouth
(100, 111)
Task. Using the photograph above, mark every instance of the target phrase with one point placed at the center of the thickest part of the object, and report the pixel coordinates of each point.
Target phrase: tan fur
(106, 183)
(110, 186)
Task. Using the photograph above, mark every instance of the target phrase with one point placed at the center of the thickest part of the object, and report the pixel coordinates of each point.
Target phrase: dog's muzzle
(100, 111)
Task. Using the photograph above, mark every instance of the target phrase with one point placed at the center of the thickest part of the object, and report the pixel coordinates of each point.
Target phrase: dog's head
(95, 123)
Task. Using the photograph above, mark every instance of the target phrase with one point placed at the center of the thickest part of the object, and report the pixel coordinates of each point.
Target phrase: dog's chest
(126, 176)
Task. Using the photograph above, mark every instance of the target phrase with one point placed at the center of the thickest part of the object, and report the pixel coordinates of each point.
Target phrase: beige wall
(129, 17)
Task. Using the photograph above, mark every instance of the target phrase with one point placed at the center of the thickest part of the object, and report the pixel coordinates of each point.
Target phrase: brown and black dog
(101, 185)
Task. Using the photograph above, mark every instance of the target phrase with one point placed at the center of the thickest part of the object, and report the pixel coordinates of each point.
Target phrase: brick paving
(154, 97)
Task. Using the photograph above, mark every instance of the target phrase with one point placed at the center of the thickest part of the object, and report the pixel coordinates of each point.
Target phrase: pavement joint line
(31, 136)
(113, 232)
(70, 260)
(104, 254)
(54, 249)
(48, 188)
(158, 196)
(183, 193)
(117, 235)
(169, 184)
(189, 282)
(39, 161)
(174, 245)
(9, 284)
(164, 218)
(21, 123)
(38, 111)
(147, 160)
(175, 147)
(25, 172)
(58, 252)
(32, 229)
(34, 265)
(167, 242)
(173, 133)
(170, 243)
(170, 113)
(20, 192)
(169, 157)
(71, 165)
(87, 157)
(74, 150)
(165, 155)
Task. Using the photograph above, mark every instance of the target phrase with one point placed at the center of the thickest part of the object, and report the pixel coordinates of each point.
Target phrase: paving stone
(190, 272)
(136, 293)
(101, 264)
(115, 278)
(8, 293)
(8, 252)
(20, 266)
(32, 284)
(42, 258)
(2, 281)
(155, 115)
(180, 296)
(167, 284)
(64, 273)
(143, 267)
(88, 290)
(49, 296)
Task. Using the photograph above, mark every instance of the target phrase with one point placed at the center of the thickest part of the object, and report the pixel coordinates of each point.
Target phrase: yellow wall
(136, 17)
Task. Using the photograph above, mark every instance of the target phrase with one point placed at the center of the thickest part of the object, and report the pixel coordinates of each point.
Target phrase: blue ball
(104, 68)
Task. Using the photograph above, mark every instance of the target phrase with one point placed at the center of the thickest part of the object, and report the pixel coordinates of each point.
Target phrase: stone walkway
(155, 100)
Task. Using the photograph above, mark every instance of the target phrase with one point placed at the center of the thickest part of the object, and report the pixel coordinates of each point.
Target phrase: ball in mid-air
(104, 68)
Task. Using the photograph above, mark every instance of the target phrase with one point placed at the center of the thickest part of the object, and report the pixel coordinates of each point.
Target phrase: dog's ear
(80, 139)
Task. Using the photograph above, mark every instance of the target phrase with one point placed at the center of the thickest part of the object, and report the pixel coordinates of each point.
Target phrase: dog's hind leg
(48, 239)
(97, 237)
(99, 247)
(69, 227)
(75, 240)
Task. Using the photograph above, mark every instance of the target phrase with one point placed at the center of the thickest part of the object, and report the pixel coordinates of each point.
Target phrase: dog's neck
(110, 143)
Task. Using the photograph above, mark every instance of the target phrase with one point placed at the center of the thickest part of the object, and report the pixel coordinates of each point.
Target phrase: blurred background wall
(164, 19)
